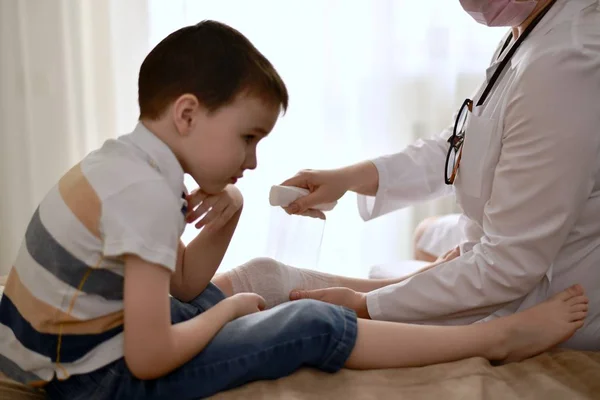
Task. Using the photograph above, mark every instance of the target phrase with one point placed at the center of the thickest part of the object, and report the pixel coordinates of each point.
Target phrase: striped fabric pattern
(62, 309)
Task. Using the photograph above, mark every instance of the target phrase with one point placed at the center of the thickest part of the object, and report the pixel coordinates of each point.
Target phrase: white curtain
(365, 78)
(67, 83)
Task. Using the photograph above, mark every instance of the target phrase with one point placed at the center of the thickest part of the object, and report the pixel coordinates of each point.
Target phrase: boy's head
(211, 96)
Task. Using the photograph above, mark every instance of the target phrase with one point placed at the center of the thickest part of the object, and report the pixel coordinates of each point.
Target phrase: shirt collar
(563, 10)
(158, 155)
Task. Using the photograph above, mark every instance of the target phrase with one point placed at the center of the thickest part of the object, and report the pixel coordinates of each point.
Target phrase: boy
(86, 311)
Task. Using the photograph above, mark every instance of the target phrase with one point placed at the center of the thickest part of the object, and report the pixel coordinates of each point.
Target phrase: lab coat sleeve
(413, 175)
(545, 173)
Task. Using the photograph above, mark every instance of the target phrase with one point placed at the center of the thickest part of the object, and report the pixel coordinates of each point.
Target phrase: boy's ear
(186, 111)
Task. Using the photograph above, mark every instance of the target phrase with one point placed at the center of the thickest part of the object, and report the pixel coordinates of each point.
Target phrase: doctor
(522, 157)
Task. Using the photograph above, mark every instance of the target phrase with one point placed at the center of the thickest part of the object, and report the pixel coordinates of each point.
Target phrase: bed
(567, 375)
(564, 375)
(559, 374)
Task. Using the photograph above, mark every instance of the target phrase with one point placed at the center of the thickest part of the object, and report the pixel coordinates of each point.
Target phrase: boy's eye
(248, 138)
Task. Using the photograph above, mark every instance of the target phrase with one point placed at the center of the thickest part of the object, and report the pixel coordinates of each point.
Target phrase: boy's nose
(251, 162)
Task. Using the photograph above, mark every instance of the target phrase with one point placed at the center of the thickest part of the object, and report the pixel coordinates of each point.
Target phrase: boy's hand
(245, 304)
(219, 208)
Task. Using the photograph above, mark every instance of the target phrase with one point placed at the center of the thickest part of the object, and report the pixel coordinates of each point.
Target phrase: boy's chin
(210, 186)
(214, 188)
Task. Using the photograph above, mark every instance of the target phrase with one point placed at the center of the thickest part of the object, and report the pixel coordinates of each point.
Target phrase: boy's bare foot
(539, 328)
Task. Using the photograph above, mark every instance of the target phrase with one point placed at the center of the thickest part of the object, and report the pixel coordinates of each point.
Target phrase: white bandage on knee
(274, 280)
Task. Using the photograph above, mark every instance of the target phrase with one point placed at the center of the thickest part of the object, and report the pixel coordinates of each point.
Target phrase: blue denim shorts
(266, 345)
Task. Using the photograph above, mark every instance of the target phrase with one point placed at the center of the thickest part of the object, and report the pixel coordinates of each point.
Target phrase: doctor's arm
(408, 177)
(549, 156)
(384, 184)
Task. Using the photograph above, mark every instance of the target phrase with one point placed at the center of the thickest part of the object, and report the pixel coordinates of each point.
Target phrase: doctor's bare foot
(539, 328)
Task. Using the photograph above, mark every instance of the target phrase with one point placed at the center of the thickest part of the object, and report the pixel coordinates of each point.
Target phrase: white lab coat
(528, 185)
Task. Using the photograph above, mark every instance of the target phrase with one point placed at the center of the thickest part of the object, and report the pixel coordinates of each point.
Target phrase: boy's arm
(145, 234)
(198, 262)
(147, 309)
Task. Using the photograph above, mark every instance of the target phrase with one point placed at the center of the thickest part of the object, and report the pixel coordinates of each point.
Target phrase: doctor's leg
(419, 253)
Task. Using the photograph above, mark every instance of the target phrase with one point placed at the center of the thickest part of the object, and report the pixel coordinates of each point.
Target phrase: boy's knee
(255, 276)
(315, 314)
(262, 262)
(267, 268)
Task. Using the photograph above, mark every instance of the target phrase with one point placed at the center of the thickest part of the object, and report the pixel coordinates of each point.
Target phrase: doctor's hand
(325, 186)
(216, 210)
(340, 296)
(450, 255)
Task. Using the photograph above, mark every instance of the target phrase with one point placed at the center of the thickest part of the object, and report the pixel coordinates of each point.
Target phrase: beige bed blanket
(565, 375)
(560, 374)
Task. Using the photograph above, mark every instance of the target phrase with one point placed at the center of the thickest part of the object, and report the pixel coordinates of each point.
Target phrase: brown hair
(210, 60)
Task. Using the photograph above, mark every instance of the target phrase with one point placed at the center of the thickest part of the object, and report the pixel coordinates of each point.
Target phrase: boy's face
(221, 145)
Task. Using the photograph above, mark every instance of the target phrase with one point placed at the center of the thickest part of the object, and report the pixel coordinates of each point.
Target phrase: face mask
(499, 12)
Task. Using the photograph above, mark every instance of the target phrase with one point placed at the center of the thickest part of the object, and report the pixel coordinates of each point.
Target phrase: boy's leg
(106, 382)
(274, 280)
(267, 345)
(275, 343)
(513, 338)
(385, 344)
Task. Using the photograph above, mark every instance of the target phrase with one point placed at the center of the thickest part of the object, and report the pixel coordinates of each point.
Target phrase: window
(365, 78)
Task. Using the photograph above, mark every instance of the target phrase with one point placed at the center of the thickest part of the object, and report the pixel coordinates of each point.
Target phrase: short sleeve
(144, 219)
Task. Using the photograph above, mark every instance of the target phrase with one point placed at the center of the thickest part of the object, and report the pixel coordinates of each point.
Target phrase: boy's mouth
(236, 178)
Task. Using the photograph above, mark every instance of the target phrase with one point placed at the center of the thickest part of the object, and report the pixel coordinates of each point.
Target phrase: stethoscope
(458, 134)
(512, 51)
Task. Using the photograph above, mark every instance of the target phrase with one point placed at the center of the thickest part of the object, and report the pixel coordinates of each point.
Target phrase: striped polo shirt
(62, 309)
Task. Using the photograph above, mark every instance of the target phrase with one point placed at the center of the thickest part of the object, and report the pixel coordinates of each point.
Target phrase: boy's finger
(212, 215)
(195, 198)
(205, 220)
(201, 209)
(221, 220)
(197, 213)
